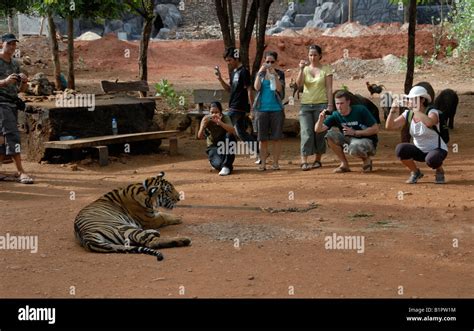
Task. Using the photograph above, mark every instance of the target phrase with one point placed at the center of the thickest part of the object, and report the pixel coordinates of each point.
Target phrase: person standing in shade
(220, 134)
(317, 96)
(268, 107)
(241, 96)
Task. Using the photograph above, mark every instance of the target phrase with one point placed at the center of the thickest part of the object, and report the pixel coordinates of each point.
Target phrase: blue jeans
(239, 120)
(219, 161)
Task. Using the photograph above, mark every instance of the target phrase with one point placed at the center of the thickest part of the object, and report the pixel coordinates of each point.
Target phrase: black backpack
(443, 133)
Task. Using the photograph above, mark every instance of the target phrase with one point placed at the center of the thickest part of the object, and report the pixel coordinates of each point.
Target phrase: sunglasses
(270, 62)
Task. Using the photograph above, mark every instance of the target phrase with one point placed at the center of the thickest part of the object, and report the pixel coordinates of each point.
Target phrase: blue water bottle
(114, 126)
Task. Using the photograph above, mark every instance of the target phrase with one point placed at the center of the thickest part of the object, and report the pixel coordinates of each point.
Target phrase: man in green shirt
(220, 134)
(358, 132)
(11, 82)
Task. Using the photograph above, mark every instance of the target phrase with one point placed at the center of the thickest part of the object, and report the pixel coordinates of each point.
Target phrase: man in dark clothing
(241, 95)
(11, 82)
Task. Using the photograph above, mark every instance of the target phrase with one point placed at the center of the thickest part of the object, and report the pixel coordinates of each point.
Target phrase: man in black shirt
(241, 95)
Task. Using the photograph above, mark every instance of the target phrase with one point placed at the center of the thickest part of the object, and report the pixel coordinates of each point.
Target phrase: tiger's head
(158, 192)
(155, 192)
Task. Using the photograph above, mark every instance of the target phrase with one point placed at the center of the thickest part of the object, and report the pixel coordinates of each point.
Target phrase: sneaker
(258, 161)
(224, 171)
(439, 178)
(415, 175)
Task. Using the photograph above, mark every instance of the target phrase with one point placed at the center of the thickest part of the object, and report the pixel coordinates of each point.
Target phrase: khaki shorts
(361, 147)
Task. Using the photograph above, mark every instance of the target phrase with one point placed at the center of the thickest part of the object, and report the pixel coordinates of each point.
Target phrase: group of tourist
(326, 118)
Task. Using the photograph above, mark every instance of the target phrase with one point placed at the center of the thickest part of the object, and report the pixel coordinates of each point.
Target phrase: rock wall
(325, 14)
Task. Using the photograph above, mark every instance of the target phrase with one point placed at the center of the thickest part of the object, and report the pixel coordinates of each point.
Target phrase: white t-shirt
(425, 138)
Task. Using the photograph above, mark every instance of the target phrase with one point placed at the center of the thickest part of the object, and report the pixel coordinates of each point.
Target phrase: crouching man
(358, 132)
(220, 134)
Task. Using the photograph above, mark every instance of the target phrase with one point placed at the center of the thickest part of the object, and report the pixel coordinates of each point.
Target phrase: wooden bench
(202, 96)
(100, 143)
(140, 86)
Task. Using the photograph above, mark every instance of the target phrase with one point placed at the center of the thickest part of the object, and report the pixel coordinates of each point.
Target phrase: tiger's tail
(111, 248)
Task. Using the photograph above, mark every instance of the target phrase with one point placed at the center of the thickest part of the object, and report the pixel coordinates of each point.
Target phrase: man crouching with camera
(11, 82)
(358, 131)
(220, 135)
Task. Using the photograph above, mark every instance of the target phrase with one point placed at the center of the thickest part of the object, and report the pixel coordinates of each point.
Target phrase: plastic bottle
(273, 86)
(114, 126)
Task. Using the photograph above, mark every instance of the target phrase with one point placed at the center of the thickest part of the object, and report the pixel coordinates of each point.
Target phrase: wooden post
(103, 155)
(173, 145)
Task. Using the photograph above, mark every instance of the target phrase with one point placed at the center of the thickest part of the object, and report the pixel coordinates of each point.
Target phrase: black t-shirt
(240, 80)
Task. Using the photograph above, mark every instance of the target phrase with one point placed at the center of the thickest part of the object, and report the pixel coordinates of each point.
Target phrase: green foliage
(11, 6)
(462, 27)
(449, 51)
(166, 90)
(80, 8)
(419, 61)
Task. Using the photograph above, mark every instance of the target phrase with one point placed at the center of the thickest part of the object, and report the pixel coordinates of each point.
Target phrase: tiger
(126, 220)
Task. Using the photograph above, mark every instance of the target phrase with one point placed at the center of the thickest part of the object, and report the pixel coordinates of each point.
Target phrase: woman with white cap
(428, 146)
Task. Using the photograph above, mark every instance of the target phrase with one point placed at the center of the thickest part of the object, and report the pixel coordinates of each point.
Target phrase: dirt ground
(418, 238)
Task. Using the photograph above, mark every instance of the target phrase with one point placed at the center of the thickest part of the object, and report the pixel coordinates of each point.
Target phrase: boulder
(163, 34)
(170, 15)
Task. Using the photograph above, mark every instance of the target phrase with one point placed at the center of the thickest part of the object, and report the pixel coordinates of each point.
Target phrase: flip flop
(305, 167)
(317, 164)
(25, 179)
(341, 170)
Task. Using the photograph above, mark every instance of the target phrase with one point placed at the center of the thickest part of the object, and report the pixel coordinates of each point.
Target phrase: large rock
(328, 12)
(113, 26)
(274, 30)
(170, 15)
(171, 121)
(163, 34)
(302, 19)
(315, 24)
(285, 22)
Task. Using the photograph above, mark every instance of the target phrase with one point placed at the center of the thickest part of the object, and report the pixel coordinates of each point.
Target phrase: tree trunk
(246, 31)
(10, 23)
(411, 46)
(231, 22)
(54, 51)
(223, 17)
(349, 11)
(143, 57)
(263, 11)
(70, 53)
(405, 134)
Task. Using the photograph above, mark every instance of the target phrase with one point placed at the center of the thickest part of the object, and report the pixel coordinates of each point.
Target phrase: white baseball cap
(419, 91)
